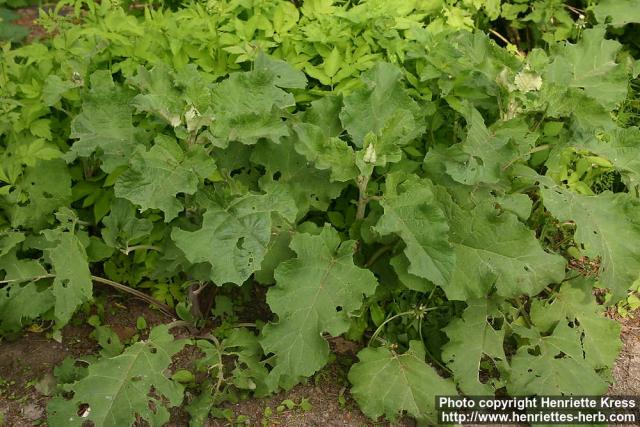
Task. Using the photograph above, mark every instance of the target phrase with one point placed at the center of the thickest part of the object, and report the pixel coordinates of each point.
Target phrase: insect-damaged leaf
(117, 389)
(387, 383)
(326, 287)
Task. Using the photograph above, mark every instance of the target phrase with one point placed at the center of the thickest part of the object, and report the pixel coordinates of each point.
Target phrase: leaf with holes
(156, 176)
(118, 390)
(387, 383)
(602, 232)
(233, 240)
(105, 125)
(314, 293)
(472, 338)
(494, 249)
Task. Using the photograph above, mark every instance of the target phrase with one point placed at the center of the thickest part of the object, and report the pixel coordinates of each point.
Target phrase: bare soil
(627, 369)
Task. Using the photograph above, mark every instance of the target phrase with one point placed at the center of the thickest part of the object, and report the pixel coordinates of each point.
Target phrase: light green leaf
(285, 76)
(480, 158)
(621, 147)
(494, 249)
(401, 266)
(387, 383)
(575, 302)
(591, 64)
(156, 176)
(277, 252)
(411, 212)
(558, 370)
(54, 88)
(289, 172)
(234, 239)
(41, 190)
(608, 227)
(326, 287)
(72, 285)
(122, 226)
(576, 358)
(248, 107)
(471, 338)
(621, 12)
(22, 302)
(324, 113)
(332, 63)
(105, 124)
(325, 152)
(160, 96)
(374, 107)
(9, 240)
(118, 389)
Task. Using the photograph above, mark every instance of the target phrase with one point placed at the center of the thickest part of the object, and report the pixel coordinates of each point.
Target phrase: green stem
(404, 313)
(28, 279)
(220, 364)
(533, 150)
(523, 312)
(362, 181)
(377, 254)
(377, 332)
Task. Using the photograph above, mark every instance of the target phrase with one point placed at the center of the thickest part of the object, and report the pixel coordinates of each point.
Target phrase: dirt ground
(627, 369)
(26, 367)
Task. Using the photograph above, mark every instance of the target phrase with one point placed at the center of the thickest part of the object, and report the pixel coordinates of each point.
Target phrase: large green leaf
(288, 171)
(494, 249)
(105, 125)
(471, 338)
(559, 369)
(42, 189)
(575, 302)
(160, 95)
(325, 152)
(480, 158)
(20, 300)
(20, 303)
(284, 75)
(607, 227)
(29, 292)
(620, 12)
(156, 176)
(118, 390)
(379, 104)
(569, 348)
(591, 65)
(387, 383)
(412, 212)
(234, 239)
(72, 284)
(248, 107)
(121, 225)
(621, 147)
(314, 294)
